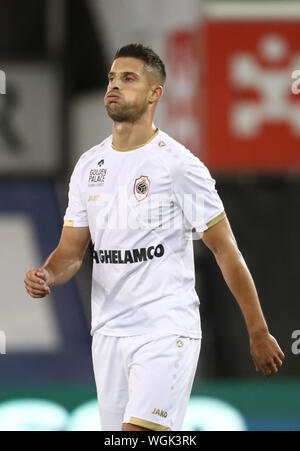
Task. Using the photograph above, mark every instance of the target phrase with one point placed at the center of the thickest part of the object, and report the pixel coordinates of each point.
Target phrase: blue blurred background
(229, 98)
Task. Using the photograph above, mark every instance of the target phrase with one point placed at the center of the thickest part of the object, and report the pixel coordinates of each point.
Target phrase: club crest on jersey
(141, 187)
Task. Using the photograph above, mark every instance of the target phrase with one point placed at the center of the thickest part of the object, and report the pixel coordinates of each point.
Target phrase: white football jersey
(143, 207)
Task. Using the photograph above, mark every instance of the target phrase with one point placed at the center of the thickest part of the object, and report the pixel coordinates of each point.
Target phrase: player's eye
(129, 79)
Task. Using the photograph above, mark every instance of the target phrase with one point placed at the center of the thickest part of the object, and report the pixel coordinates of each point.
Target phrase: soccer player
(141, 197)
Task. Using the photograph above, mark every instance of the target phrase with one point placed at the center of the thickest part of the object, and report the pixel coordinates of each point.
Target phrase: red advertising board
(252, 116)
(183, 109)
(235, 107)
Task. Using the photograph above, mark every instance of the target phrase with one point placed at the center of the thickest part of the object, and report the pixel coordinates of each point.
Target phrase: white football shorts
(144, 380)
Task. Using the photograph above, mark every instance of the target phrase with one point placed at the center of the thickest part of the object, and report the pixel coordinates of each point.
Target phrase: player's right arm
(61, 265)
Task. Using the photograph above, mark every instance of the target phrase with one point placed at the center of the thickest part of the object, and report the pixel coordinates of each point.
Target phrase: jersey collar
(136, 147)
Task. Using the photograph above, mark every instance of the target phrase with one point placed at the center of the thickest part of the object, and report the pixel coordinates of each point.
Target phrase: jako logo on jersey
(128, 256)
(101, 163)
(141, 187)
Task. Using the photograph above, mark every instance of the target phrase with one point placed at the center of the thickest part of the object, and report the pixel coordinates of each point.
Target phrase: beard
(124, 113)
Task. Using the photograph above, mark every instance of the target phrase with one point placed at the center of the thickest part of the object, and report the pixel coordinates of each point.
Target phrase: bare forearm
(265, 351)
(61, 267)
(240, 283)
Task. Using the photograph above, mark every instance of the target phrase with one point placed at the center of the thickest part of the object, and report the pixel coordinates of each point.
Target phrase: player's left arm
(265, 351)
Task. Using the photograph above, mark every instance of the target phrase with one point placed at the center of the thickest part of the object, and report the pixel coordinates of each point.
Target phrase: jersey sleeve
(197, 195)
(76, 213)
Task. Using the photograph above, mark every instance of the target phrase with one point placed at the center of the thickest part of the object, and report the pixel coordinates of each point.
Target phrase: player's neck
(128, 135)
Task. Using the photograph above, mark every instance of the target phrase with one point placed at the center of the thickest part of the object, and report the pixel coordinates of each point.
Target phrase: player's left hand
(266, 353)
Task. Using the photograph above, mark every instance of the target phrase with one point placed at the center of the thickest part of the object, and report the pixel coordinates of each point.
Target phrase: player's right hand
(37, 282)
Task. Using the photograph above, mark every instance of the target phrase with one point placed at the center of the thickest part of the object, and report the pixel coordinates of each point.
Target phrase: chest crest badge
(141, 187)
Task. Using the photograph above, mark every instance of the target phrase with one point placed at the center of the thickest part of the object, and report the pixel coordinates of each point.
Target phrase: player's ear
(156, 94)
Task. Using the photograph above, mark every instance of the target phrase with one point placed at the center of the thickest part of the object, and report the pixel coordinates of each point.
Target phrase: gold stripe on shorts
(68, 223)
(148, 424)
(216, 220)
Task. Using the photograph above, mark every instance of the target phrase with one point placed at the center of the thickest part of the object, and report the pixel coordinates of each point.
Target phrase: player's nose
(114, 84)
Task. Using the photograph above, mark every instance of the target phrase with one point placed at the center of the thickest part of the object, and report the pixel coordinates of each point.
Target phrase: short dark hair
(145, 54)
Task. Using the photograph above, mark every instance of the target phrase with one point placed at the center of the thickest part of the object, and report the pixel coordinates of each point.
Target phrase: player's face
(128, 90)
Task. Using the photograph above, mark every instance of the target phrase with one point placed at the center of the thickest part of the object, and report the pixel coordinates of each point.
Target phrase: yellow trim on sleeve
(148, 424)
(216, 220)
(119, 149)
(68, 223)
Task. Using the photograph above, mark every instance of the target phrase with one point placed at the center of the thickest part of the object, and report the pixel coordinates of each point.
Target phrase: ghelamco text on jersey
(128, 255)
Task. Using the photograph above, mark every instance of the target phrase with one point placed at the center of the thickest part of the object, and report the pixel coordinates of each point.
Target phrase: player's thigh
(184, 400)
(161, 375)
(111, 380)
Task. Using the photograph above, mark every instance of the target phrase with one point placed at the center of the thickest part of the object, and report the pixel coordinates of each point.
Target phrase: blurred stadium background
(229, 99)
